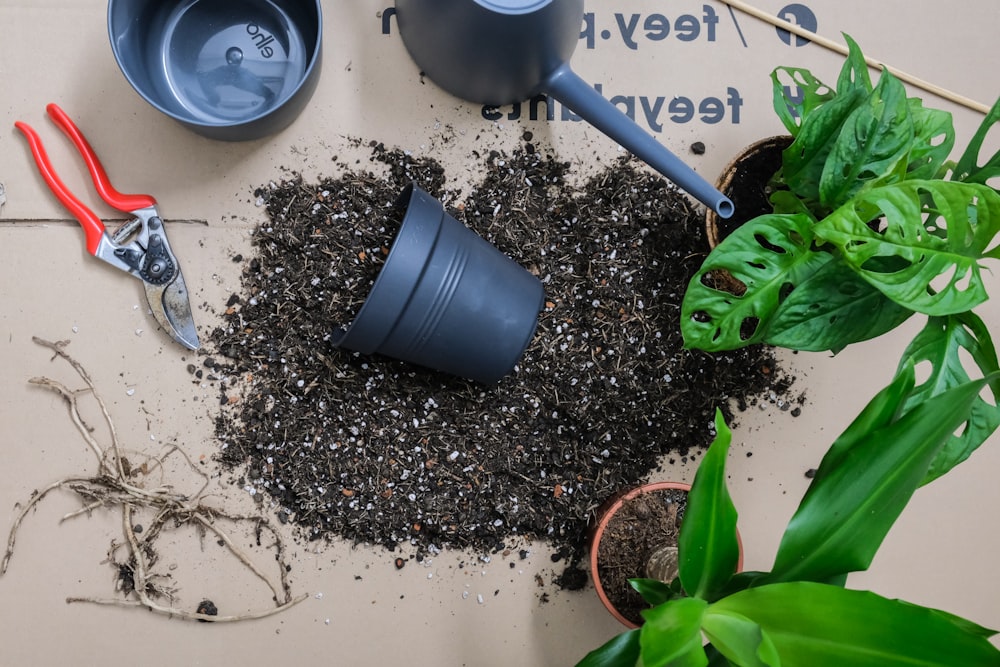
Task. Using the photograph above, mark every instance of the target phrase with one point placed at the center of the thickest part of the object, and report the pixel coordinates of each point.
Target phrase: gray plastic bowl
(228, 70)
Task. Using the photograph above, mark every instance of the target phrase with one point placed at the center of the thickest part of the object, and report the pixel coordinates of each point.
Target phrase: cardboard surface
(691, 71)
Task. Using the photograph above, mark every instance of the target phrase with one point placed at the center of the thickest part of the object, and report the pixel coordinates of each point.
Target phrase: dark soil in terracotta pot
(746, 182)
(639, 528)
(375, 451)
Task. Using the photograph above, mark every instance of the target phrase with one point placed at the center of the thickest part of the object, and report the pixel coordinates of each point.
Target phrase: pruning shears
(139, 246)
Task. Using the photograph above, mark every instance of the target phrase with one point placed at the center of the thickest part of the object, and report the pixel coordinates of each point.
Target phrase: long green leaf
(913, 266)
(854, 75)
(621, 651)
(816, 625)
(862, 486)
(769, 255)
(708, 545)
(741, 640)
(940, 345)
(881, 411)
(671, 634)
(874, 139)
(831, 309)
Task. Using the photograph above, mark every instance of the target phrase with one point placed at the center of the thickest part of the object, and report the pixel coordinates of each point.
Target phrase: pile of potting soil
(377, 451)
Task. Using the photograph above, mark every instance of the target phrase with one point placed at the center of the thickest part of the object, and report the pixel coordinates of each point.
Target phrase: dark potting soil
(749, 188)
(377, 451)
(640, 527)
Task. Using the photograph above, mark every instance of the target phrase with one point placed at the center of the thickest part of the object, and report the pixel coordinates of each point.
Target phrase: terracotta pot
(604, 516)
(754, 165)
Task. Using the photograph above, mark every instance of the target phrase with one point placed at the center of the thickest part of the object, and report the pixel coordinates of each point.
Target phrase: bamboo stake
(842, 50)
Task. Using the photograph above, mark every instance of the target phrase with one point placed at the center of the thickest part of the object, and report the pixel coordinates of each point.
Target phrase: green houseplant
(871, 224)
(799, 613)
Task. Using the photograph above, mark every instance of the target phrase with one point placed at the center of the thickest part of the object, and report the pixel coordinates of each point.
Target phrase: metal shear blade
(172, 309)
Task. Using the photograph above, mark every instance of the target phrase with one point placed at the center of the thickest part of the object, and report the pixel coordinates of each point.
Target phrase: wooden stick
(841, 49)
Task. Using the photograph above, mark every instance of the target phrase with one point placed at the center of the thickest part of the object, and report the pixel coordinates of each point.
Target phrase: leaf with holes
(831, 309)
(803, 162)
(968, 168)
(874, 140)
(941, 344)
(809, 91)
(767, 257)
(917, 267)
(933, 141)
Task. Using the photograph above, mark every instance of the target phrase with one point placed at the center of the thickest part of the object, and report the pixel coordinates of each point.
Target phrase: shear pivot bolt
(157, 268)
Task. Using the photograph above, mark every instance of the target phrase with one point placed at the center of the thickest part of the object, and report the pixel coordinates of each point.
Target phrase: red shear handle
(122, 202)
(92, 225)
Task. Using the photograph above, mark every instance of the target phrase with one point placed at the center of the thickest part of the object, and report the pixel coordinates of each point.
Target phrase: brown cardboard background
(940, 553)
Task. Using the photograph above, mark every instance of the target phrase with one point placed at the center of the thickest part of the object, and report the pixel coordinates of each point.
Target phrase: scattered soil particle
(208, 608)
(572, 579)
(377, 451)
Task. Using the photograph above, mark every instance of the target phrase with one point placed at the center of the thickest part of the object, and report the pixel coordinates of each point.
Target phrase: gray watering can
(498, 52)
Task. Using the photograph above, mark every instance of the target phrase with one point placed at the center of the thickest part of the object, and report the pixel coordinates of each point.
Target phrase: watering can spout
(566, 86)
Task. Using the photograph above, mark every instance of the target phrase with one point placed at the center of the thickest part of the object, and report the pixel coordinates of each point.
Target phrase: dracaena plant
(871, 224)
(800, 614)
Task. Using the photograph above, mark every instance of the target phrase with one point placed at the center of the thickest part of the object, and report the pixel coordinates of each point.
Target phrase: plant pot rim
(604, 516)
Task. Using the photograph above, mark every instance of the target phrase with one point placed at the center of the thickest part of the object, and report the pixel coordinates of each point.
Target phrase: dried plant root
(119, 486)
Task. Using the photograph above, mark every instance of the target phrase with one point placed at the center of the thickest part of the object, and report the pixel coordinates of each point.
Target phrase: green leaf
(874, 139)
(827, 626)
(965, 624)
(768, 255)
(884, 409)
(652, 591)
(787, 202)
(804, 161)
(671, 635)
(865, 481)
(831, 309)
(708, 545)
(933, 141)
(739, 639)
(741, 581)
(912, 265)
(854, 74)
(940, 345)
(811, 93)
(621, 651)
(968, 168)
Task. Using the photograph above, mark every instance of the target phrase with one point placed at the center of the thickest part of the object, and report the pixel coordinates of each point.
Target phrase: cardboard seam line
(27, 222)
(842, 50)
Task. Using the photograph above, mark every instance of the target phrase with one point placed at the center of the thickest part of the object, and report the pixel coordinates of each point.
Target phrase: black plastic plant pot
(446, 299)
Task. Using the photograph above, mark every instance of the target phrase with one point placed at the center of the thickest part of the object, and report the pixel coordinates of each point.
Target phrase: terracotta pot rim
(604, 515)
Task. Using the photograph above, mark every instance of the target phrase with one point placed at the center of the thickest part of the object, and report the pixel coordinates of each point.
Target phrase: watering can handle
(567, 87)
